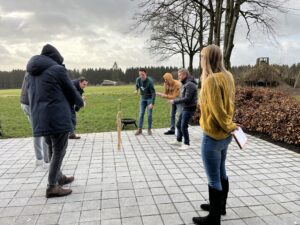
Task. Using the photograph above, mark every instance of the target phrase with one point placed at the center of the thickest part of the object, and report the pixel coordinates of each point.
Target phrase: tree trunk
(183, 60)
(218, 22)
(228, 19)
(230, 36)
(211, 23)
(201, 28)
(191, 58)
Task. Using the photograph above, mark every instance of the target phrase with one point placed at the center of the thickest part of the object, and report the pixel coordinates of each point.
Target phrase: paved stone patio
(149, 182)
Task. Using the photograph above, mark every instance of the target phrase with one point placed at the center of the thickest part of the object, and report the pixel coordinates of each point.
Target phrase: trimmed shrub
(267, 111)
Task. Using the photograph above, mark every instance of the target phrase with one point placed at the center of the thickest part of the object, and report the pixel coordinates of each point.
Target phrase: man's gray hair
(183, 70)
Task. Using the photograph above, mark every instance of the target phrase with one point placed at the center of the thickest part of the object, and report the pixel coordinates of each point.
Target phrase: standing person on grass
(51, 96)
(171, 91)
(145, 85)
(188, 101)
(80, 84)
(217, 110)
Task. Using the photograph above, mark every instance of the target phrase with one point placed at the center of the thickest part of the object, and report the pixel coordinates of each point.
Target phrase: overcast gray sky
(95, 33)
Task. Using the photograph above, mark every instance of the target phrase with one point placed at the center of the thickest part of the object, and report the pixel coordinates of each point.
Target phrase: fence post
(119, 125)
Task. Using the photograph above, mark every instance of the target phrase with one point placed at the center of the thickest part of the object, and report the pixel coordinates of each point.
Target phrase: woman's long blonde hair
(212, 62)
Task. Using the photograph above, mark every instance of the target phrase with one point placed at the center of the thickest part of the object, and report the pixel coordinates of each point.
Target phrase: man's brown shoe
(138, 132)
(65, 180)
(74, 136)
(57, 191)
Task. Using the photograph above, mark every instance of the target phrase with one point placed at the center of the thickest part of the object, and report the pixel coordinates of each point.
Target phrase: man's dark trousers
(57, 144)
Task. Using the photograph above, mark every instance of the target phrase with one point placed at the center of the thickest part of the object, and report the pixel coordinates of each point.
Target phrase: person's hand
(84, 98)
(135, 92)
(171, 102)
(161, 94)
(150, 106)
(237, 127)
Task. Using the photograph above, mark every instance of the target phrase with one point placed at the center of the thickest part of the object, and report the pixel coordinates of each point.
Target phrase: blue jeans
(173, 115)
(143, 105)
(183, 124)
(214, 154)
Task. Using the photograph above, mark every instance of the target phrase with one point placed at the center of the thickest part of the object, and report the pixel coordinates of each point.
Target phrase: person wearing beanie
(171, 92)
(51, 96)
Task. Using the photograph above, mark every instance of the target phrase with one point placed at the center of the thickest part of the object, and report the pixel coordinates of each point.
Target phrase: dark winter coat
(189, 96)
(51, 93)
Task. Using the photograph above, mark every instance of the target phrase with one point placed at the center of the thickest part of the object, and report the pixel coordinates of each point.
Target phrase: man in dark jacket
(188, 101)
(80, 84)
(51, 96)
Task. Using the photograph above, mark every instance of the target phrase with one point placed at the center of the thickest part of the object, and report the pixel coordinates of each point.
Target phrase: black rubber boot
(214, 216)
(225, 190)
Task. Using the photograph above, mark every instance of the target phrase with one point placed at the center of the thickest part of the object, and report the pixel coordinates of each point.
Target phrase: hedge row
(267, 111)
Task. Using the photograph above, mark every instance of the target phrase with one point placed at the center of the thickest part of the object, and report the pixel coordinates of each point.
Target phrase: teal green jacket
(146, 88)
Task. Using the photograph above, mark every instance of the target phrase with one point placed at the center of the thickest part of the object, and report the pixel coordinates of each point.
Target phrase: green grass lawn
(298, 97)
(99, 115)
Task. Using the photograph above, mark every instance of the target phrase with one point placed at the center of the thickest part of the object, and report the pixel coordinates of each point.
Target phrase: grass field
(99, 115)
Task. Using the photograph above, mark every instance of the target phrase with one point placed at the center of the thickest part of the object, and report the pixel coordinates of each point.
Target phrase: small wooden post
(1, 131)
(119, 125)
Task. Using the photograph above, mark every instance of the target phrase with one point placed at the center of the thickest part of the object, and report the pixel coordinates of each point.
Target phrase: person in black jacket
(188, 101)
(80, 84)
(51, 96)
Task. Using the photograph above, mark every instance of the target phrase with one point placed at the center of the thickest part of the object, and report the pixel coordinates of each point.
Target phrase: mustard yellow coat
(217, 106)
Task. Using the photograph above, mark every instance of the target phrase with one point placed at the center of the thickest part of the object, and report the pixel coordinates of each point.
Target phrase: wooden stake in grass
(119, 125)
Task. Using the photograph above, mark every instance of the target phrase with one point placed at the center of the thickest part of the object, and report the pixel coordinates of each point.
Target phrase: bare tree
(254, 12)
(175, 29)
(220, 17)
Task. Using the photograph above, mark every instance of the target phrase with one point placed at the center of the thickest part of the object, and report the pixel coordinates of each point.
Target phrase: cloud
(95, 33)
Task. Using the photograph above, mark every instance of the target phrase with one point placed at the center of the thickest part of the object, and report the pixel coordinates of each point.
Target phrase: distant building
(262, 60)
(109, 83)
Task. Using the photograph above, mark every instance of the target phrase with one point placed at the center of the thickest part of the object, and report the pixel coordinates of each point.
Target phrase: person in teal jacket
(145, 86)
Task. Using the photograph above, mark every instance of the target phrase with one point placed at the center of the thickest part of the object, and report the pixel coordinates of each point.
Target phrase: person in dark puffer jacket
(51, 95)
(188, 101)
